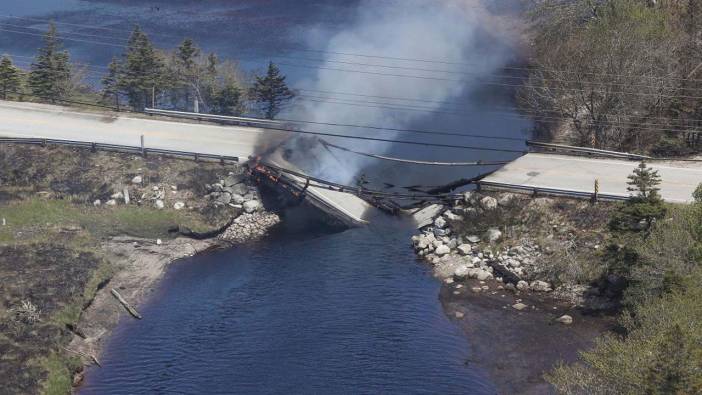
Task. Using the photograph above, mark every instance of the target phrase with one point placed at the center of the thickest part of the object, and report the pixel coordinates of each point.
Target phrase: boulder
(224, 198)
(452, 244)
(159, 204)
(541, 286)
(488, 203)
(465, 249)
(237, 199)
(461, 272)
(523, 285)
(468, 196)
(137, 180)
(473, 239)
(459, 315)
(505, 199)
(440, 223)
(251, 206)
(217, 187)
(442, 232)
(493, 234)
(482, 275)
(232, 180)
(445, 270)
(441, 250)
(519, 306)
(179, 205)
(111, 202)
(117, 196)
(452, 217)
(565, 319)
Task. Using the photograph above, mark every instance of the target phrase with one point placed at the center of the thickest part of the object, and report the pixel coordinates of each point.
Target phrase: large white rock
(473, 239)
(541, 286)
(461, 272)
(442, 250)
(111, 202)
(565, 319)
(493, 234)
(137, 180)
(465, 249)
(159, 204)
(523, 285)
(251, 206)
(452, 217)
(179, 205)
(488, 203)
(482, 275)
(440, 223)
(519, 306)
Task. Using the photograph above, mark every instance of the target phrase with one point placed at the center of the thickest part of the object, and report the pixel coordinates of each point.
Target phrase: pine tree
(644, 183)
(110, 83)
(227, 101)
(50, 74)
(9, 77)
(645, 204)
(143, 71)
(271, 92)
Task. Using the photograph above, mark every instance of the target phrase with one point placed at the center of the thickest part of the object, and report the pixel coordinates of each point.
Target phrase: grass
(60, 370)
(29, 220)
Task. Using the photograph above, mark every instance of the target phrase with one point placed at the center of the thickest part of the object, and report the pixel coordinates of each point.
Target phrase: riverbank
(531, 267)
(76, 224)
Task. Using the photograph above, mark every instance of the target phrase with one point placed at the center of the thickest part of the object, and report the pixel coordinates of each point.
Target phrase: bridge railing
(216, 118)
(550, 191)
(585, 150)
(137, 150)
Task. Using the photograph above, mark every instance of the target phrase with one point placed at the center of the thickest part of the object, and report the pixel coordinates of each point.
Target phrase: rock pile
(233, 191)
(250, 226)
(461, 257)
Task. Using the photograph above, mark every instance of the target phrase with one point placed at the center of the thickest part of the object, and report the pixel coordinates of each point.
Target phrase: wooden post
(143, 150)
(596, 195)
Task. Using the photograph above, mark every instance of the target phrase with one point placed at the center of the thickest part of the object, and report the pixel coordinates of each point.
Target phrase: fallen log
(187, 232)
(126, 305)
(82, 354)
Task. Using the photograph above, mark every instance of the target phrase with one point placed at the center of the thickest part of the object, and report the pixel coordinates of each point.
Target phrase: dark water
(350, 312)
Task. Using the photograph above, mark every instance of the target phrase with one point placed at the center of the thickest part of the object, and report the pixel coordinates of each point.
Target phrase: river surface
(302, 312)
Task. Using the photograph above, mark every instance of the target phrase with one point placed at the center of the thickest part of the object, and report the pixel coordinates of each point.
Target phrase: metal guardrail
(585, 150)
(550, 191)
(213, 117)
(117, 148)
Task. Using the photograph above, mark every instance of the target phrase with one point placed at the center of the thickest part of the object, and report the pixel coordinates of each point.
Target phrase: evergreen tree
(143, 71)
(9, 77)
(50, 73)
(110, 83)
(645, 204)
(227, 101)
(271, 92)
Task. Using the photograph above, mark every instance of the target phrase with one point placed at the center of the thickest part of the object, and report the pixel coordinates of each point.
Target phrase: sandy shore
(139, 264)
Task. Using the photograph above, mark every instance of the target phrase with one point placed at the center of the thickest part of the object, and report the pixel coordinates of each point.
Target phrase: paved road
(55, 122)
(579, 174)
(45, 121)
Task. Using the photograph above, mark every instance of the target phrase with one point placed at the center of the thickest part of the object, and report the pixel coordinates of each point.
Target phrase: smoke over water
(452, 33)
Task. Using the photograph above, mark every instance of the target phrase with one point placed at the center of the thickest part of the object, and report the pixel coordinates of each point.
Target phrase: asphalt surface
(55, 122)
(679, 179)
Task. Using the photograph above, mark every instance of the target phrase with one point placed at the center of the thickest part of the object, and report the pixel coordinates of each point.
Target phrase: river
(301, 312)
(307, 310)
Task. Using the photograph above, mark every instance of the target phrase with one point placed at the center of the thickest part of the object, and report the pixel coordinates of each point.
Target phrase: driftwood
(126, 305)
(82, 354)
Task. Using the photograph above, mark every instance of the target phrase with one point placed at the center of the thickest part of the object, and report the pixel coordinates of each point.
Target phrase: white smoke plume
(451, 32)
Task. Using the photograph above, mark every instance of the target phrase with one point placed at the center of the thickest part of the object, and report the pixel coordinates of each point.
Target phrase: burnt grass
(58, 268)
(53, 278)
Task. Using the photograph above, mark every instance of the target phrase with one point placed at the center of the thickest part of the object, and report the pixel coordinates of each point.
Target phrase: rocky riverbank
(77, 224)
(523, 277)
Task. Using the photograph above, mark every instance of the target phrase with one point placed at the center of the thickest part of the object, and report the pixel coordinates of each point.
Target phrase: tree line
(617, 74)
(144, 76)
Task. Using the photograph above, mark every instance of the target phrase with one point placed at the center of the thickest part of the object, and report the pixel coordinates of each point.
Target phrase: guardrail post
(143, 150)
(197, 157)
(221, 160)
(43, 142)
(93, 147)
